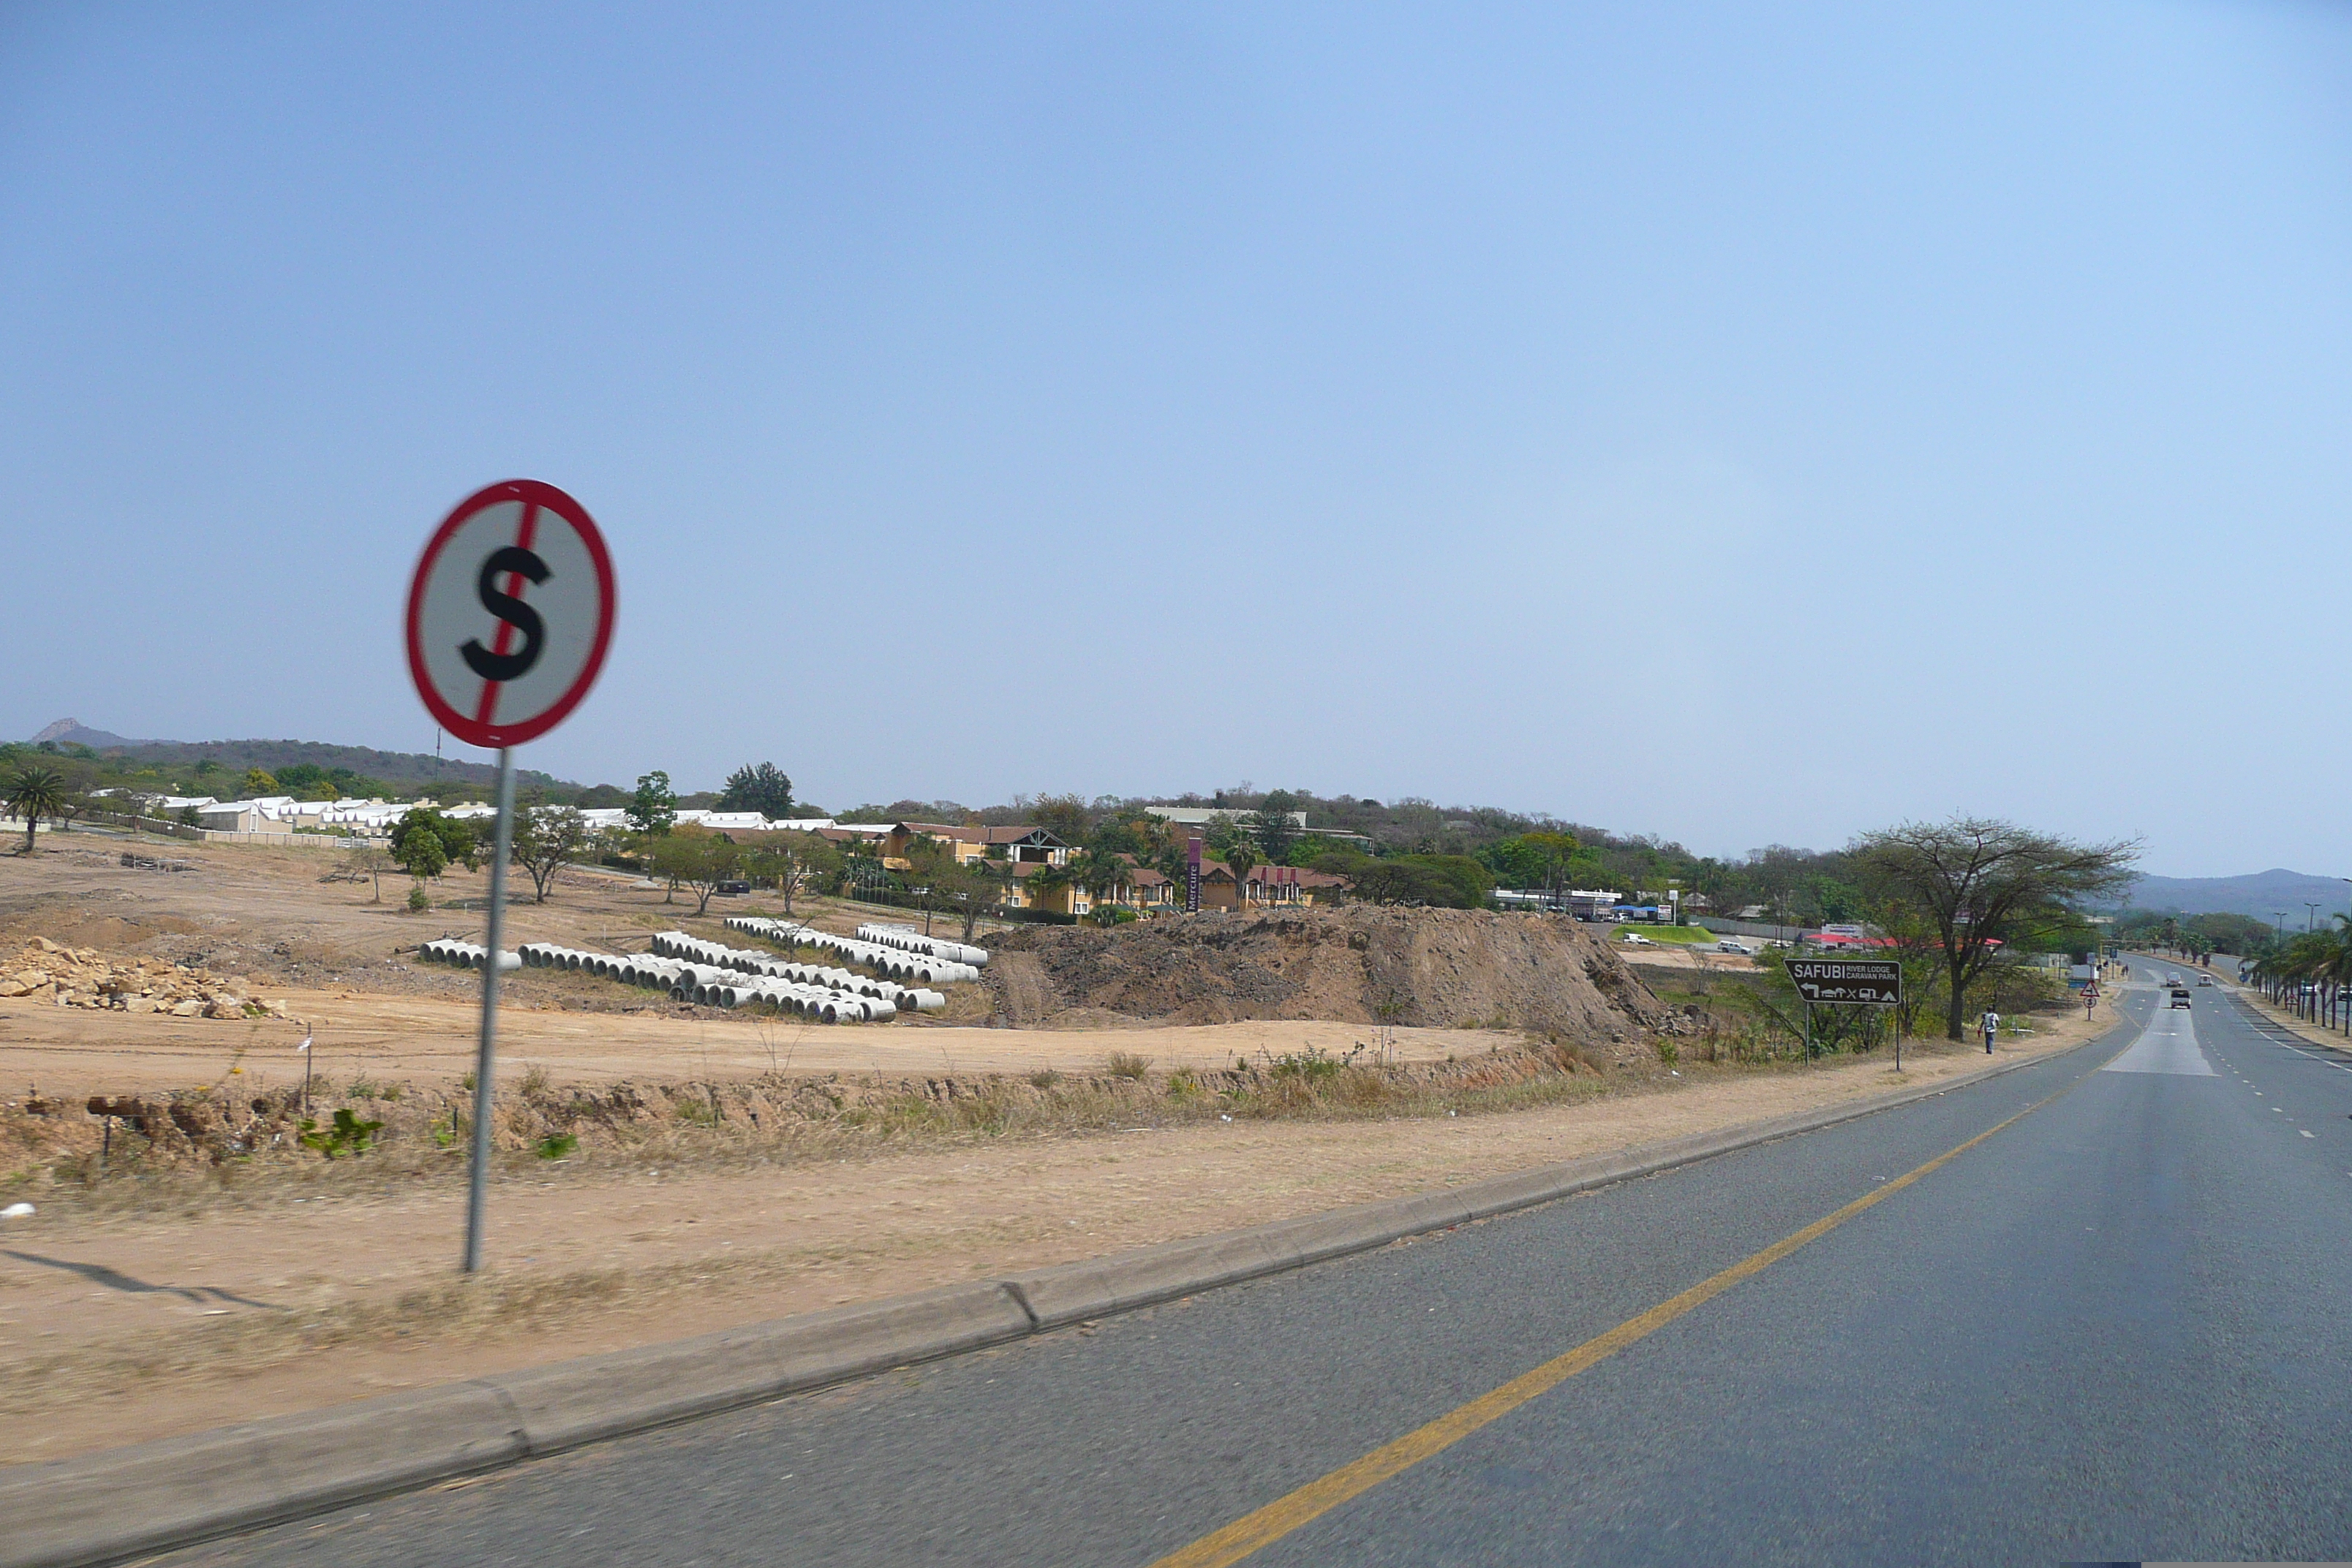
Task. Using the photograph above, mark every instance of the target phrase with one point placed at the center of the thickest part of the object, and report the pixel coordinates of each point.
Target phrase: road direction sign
(1852, 982)
(510, 613)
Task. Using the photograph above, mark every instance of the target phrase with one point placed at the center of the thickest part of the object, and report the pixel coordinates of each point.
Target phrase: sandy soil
(114, 1330)
(330, 953)
(70, 1053)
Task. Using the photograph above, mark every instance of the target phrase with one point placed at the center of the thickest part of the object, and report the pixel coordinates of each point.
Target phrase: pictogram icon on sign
(510, 613)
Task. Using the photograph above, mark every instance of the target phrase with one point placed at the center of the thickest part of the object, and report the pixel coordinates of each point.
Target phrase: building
(1023, 846)
(1200, 816)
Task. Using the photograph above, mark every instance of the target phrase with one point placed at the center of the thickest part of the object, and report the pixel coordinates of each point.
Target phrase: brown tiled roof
(974, 833)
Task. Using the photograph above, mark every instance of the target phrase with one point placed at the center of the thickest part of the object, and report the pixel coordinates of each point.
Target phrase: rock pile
(83, 977)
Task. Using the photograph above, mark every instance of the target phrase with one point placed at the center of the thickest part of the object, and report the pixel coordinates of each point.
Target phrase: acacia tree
(34, 793)
(547, 839)
(793, 858)
(967, 891)
(697, 862)
(370, 861)
(1978, 883)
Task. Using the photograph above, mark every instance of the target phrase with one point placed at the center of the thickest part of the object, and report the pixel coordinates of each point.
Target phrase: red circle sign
(510, 613)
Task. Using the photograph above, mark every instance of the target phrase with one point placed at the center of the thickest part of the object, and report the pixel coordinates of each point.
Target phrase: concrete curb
(106, 1507)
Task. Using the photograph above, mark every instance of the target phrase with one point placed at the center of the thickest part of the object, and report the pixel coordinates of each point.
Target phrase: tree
(654, 808)
(1979, 883)
(310, 782)
(425, 842)
(762, 788)
(1047, 883)
(696, 861)
(546, 839)
(34, 793)
(969, 891)
(259, 783)
(1539, 860)
(930, 873)
(1099, 874)
(370, 861)
(1272, 825)
(793, 858)
(1239, 856)
(1063, 816)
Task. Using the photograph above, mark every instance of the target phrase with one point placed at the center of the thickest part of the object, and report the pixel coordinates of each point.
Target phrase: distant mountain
(392, 767)
(2265, 895)
(74, 733)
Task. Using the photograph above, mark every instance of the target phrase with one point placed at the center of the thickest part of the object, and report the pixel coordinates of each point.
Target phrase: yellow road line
(1253, 1532)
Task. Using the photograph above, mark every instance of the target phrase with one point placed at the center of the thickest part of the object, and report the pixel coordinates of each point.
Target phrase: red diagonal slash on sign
(515, 582)
(575, 597)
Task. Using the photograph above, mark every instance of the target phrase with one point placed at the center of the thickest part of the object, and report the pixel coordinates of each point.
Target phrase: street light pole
(2311, 916)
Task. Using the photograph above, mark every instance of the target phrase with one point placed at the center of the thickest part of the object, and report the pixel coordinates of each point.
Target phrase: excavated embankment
(1428, 968)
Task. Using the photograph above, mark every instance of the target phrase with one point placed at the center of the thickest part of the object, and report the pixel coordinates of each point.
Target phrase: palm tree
(1239, 856)
(34, 793)
(1045, 882)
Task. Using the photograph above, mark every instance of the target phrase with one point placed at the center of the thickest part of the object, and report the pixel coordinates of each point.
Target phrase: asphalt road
(2110, 1331)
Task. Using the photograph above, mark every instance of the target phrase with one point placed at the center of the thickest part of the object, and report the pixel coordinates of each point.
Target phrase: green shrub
(556, 1145)
(417, 902)
(1127, 1064)
(1311, 1066)
(347, 1135)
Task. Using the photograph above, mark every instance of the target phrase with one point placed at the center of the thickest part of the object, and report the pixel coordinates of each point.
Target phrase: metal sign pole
(477, 1177)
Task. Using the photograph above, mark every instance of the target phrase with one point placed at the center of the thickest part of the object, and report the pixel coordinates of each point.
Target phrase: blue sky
(1742, 424)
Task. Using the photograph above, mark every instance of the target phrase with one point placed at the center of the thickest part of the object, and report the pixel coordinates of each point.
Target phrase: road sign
(508, 616)
(1852, 982)
(510, 613)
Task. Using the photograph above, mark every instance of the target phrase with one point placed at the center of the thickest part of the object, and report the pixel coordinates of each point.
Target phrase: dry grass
(214, 1152)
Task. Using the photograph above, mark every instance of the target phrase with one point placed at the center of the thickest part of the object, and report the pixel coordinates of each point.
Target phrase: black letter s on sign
(491, 665)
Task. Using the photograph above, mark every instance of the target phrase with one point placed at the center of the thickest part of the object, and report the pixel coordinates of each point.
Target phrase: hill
(74, 733)
(405, 768)
(2262, 894)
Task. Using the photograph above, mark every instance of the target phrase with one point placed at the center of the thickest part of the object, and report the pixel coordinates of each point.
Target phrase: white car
(1634, 938)
(1740, 948)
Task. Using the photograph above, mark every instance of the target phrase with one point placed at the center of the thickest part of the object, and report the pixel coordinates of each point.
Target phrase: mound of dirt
(1432, 968)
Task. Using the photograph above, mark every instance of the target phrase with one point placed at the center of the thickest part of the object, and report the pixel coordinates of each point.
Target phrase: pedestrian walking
(1992, 1026)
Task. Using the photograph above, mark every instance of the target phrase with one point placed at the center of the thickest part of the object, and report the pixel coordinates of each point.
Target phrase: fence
(285, 840)
(890, 897)
(146, 824)
(1789, 931)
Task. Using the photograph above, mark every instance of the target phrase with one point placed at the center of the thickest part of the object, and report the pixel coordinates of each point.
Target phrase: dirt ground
(330, 954)
(118, 1329)
(122, 1324)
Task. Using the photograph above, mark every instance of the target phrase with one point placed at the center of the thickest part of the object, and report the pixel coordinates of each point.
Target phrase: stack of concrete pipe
(907, 939)
(464, 954)
(904, 967)
(690, 949)
(714, 985)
